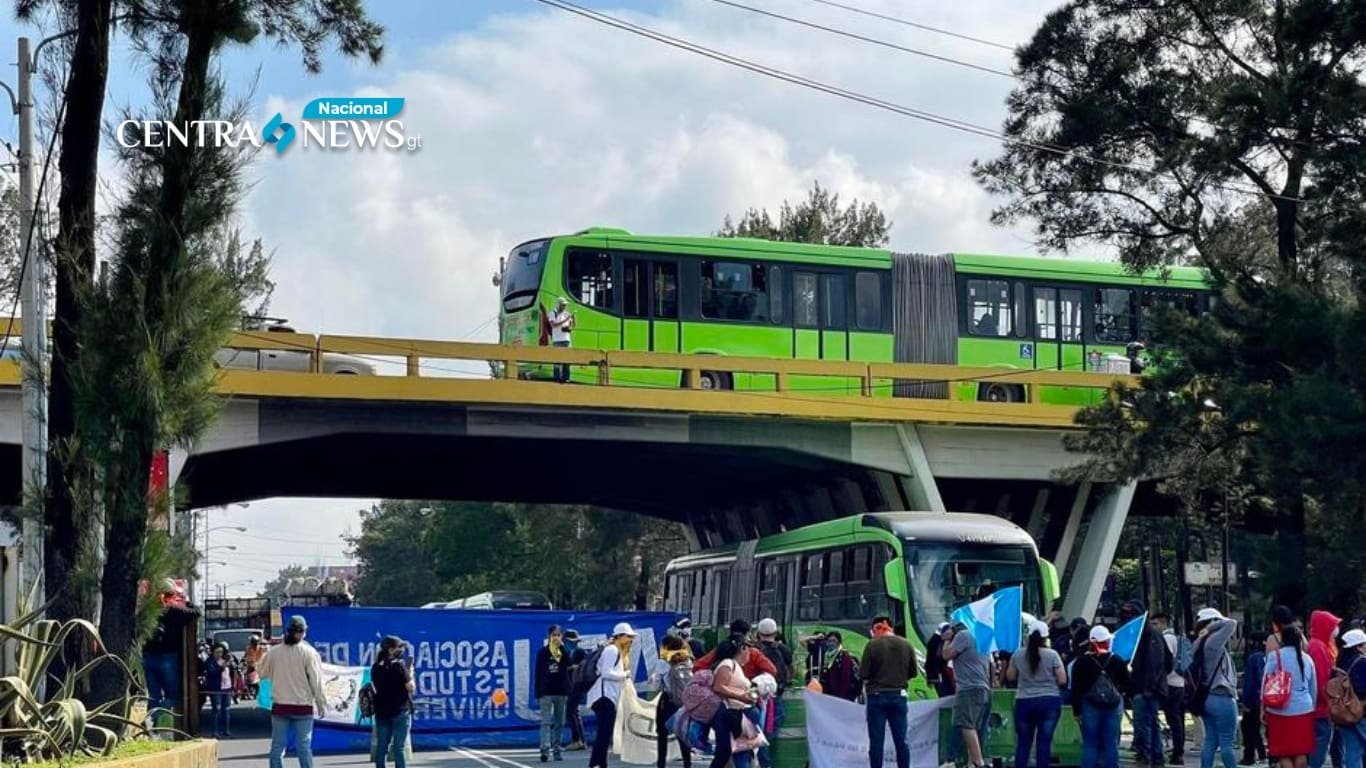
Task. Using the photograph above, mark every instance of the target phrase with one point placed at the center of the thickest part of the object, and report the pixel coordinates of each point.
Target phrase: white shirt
(295, 673)
(559, 325)
(611, 674)
(1173, 680)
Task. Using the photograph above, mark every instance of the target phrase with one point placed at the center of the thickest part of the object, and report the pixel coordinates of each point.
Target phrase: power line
(871, 40)
(916, 25)
(912, 112)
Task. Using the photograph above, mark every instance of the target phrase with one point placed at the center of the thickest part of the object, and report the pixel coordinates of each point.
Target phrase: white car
(289, 360)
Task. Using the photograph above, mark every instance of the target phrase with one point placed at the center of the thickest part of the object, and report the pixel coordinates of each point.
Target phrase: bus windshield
(944, 577)
(522, 275)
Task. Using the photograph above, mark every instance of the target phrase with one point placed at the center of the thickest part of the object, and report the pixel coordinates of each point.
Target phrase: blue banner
(460, 658)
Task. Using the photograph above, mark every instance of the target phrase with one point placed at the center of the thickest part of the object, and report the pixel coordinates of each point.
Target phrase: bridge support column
(919, 486)
(1098, 551)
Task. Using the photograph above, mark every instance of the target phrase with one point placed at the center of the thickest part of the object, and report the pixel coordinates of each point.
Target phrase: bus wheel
(1000, 393)
(716, 380)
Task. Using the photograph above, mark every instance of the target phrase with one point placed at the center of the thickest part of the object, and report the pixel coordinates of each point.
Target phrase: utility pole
(34, 310)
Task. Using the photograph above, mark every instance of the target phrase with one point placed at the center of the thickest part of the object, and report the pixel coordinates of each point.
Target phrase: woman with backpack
(1350, 674)
(1039, 676)
(1289, 695)
(551, 684)
(605, 692)
(1100, 681)
(675, 659)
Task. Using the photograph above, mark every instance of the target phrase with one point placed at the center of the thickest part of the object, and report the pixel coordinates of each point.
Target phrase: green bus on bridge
(916, 567)
(756, 298)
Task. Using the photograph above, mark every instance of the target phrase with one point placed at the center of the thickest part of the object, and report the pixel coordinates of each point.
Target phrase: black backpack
(587, 673)
(1103, 693)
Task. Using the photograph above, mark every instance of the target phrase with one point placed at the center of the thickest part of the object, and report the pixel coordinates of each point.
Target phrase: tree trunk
(63, 550)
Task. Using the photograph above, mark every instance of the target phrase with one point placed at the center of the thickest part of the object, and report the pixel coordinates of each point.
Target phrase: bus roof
(1042, 267)
(951, 527)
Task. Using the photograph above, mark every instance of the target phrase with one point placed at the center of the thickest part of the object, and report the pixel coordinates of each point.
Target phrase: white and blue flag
(995, 620)
(1125, 641)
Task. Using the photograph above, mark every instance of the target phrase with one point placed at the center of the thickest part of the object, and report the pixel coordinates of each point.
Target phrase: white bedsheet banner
(837, 733)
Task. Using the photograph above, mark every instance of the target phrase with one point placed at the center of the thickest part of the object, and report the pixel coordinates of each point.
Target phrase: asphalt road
(250, 746)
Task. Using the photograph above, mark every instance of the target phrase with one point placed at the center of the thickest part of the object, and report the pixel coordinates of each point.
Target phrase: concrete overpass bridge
(728, 464)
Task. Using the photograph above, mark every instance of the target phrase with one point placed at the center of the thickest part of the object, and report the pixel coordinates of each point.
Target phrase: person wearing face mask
(394, 688)
(551, 683)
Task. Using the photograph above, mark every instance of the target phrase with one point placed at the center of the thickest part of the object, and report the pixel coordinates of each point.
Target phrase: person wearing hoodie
(1352, 663)
(1323, 649)
(1149, 676)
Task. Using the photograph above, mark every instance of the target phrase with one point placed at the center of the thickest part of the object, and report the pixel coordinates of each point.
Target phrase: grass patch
(123, 751)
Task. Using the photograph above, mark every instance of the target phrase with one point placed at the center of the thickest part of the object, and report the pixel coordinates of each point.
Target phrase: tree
(1224, 134)
(412, 553)
(818, 219)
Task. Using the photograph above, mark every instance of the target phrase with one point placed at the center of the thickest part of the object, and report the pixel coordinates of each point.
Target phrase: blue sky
(537, 122)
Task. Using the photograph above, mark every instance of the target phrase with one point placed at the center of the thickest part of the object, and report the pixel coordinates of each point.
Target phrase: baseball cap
(1353, 637)
(623, 629)
(768, 627)
(1209, 614)
(1099, 634)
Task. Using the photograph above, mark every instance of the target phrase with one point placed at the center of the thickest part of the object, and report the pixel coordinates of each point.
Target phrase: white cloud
(538, 122)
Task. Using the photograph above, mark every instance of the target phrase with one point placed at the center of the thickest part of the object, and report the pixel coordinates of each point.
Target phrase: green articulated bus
(916, 567)
(756, 298)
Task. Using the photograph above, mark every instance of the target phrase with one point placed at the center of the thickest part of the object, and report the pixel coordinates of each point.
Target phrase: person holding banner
(606, 691)
(887, 667)
(394, 688)
(1100, 680)
(295, 672)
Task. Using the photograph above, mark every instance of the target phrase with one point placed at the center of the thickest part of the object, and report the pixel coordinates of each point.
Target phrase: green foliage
(413, 553)
(817, 219)
(1227, 135)
(41, 717)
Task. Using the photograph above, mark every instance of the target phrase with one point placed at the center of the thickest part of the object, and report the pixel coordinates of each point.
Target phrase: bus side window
(833, 590)
(809, 595)
(589, 278)
(859, 598)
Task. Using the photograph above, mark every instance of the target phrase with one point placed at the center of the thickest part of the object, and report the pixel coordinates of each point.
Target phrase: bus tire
(716, 380)
(1000, 393)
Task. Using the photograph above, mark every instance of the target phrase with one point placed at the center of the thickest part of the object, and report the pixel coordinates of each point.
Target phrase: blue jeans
(1325, 744)
(552, 722)
(1100, 736)
(392, 734)
(221, 701)
(1035, 721)
(280, 728)
(163, 680)
(1353, 740)
(1221, 722)
(884, 709)
(1147, 737)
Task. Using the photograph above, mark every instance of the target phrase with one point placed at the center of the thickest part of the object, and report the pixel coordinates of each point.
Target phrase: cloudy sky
(536, 122)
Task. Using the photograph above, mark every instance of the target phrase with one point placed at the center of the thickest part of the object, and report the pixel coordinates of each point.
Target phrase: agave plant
(41, 718)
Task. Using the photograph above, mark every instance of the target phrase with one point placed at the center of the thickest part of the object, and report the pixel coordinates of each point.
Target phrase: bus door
(1059, 342)
(650, 305)
(819, 307)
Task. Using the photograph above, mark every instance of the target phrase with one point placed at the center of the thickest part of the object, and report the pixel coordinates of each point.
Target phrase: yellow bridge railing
(419, 380)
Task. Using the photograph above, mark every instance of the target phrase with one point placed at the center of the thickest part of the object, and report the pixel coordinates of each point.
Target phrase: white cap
(1209, 614)
(1353, 637)
(767, 627)
(1099, 634)
(623, 629)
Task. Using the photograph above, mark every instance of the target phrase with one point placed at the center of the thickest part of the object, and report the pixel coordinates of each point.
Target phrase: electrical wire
(906, 111)
(870, 40)
(916, 25)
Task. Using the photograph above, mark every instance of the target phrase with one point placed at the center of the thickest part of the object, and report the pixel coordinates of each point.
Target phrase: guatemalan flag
(1125, 642)
(995, 620)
